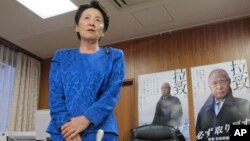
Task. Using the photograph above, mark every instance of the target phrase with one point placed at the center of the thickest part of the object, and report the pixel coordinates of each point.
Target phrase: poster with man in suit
(221, 97)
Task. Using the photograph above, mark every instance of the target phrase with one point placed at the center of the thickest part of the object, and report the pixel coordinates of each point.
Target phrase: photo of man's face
(165, 89)
(219, 84)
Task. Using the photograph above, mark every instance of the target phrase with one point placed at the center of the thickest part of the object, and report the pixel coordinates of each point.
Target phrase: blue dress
(85, 84)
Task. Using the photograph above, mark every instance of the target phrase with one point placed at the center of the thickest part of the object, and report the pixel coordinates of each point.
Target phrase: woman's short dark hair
(96, 5)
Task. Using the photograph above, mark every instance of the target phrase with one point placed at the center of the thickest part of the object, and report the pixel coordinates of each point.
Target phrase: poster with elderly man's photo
(163, 100)
(221, 95)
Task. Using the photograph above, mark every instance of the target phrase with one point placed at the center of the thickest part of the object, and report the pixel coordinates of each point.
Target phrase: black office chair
(156, 133)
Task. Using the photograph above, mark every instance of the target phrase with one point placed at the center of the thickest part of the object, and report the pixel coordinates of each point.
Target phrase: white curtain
(7, 75)
(25, 94)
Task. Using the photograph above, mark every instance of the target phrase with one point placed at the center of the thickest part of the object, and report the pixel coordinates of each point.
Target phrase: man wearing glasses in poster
(221, 109)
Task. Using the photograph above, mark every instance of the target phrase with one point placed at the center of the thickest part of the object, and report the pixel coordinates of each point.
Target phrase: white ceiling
(42, 37)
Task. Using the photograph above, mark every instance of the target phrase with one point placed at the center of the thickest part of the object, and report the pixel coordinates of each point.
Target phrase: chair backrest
(154, 133)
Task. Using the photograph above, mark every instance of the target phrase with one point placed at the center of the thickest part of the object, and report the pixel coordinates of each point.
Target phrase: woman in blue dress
(85, 82)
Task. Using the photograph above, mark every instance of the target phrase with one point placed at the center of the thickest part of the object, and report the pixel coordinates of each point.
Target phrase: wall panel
(44, 85)
(188, 48)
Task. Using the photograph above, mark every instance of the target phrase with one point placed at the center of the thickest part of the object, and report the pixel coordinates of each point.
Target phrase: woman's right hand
(74, 126)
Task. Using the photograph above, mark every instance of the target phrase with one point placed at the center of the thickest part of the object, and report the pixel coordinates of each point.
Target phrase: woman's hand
(76, 138)
(75, 126)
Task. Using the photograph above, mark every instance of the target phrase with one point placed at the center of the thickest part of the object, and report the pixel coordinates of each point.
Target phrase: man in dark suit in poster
(220, 109)
(168, 109)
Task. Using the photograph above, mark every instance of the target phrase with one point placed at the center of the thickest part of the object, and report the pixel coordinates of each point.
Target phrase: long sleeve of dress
(59, 113)
(102, 108)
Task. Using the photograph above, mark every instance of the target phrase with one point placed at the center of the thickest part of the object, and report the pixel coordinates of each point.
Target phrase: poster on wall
(163, 99)
(221, 95)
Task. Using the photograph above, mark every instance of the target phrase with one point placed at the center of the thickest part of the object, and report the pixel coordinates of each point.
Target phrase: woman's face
(90, 25)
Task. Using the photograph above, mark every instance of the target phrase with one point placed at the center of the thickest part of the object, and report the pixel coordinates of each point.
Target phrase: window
(7, 77)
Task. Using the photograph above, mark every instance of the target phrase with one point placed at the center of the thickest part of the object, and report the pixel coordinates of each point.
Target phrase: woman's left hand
(74, 126)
